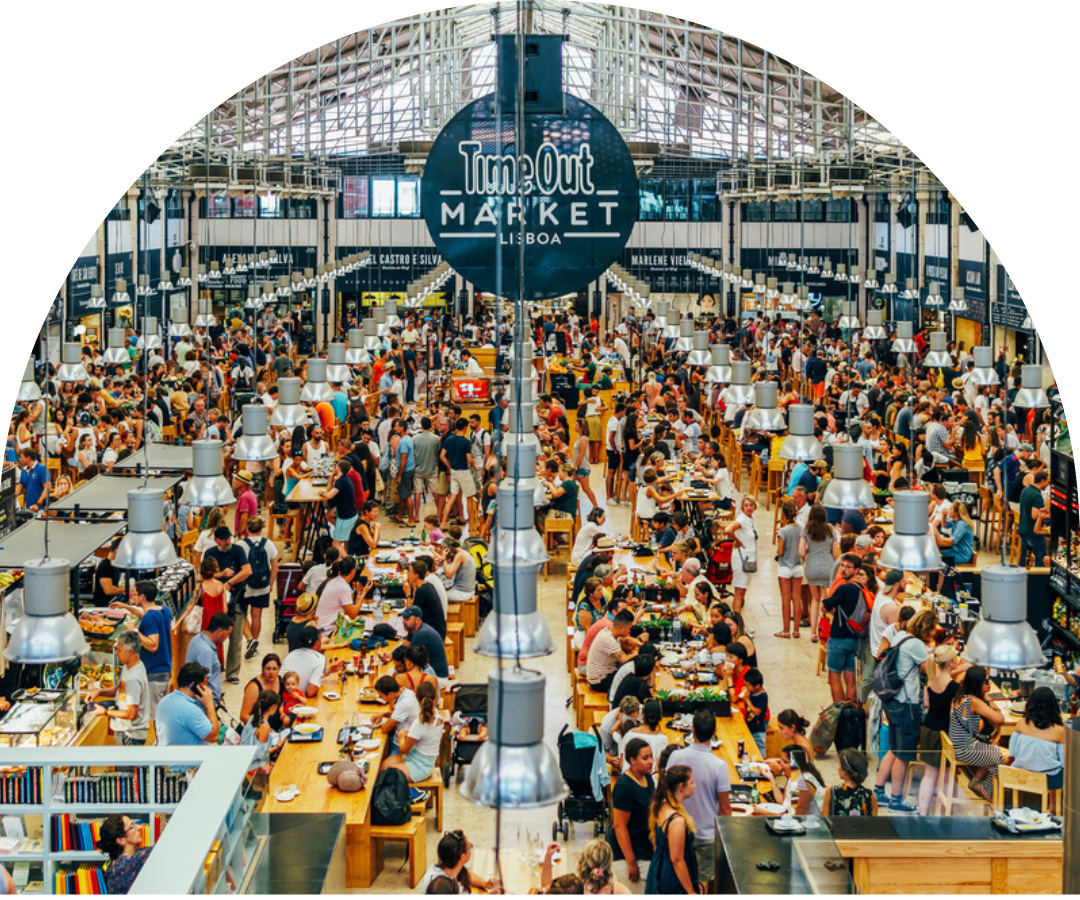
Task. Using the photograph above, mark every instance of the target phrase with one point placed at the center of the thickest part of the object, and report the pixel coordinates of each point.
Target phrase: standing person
(886, 611)
(343, 495)
(456, 455)
(262, 557)
(247, 504)
(1032, 512)
(613, 442)
(631, 798)
(234, 572)
(713, 795)
(33, 483)
(187, 717)
(419, 592)
(406, 476)
(744, 559)
(131, 718)
(818, 549)
(905, 710)
(944, 668)
(789, 570)
(673, 869)
(426, 476)
(582, 466)
(204, 649)
(850, 617)
(155, 636)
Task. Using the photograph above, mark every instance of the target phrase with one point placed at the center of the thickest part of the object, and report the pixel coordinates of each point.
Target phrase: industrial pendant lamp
(904, 342)
(151, 339)
(337, 371)
(516, 537)
(826, 269)
(850, 318)
(1031, 394)
(874, 330)
(933, 299)
(254, 299)
(789, 297)
(516, 627)
(700, 355)
(29, 392)
(911, 289)
(372, 342)
(255, 444)
(848, 489)
(800, 444)
(381, 328)
(803, 303)
(720, 370)
(937, 356)
(268, 295)
(392, 320)
(71, 365)
(772, 289)
(685, 342)
(528, 371)
(856, 275)
(185, 277)
(521, 426)
(765, 416)
(890, 285)
(142, 289)
(984, 371)
(316, 390)
(911, 546)
(739, 392)
(230, 266)
(97, 297)
(514, 767)
(214, 275)
(47, 631)
(146, 546)
(670, 329)
(207, 486)
(117, 354)
(871, 283)
(166, 283)
(793, 262)
(121, 296)
(200, 275)
(283, 289)
(1002, 638)
(841, 272)
(178, 318)
(355, 354)
(747, 281)
(813, 269)
(206, 317)
(760, 284)
(289, 413)
(241, 263)
(957, 303)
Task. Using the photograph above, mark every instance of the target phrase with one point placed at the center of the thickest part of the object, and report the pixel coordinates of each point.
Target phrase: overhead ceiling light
(934, 299)
(813, 268)
(515, 628)
(337, 371)
(984, 371)
(848, 489)
(747, 282)
(911, 547)
(97, 297)
(841, 272)
(874, 330)
(789, 295)
(215, 271)
(826, 268)
(117, 354)
(185, 277)
(520, 418)
(283, 289)
(254, 298)
(146, 546)
(71, 365)
(381, 328)
(957, 303)
(355, 354)
(802, 299)
(1031, 394)
(772, 290)
(739, 392)
(800, 443)
(206, 317)
(151, 340)
(890, 285)
(47, 631)
(255, 444)
(720, 370)
(268, 295)
(207, 487)
(856, 275)
(165, 284)
(178, 318)
(911, 290)
(121, 296)
(230, 267)
(392, 320)
(937, 357)
(1002, 638)
(29, 392)
(142, 289)
(700, 355)
(289, 413)
(871, 283)
(793, 262)
(685, 342)
(241, 264)
(372, 341)
(904, 342)
(201, 275)
(850, 318)
(316, 390)
(765, 416)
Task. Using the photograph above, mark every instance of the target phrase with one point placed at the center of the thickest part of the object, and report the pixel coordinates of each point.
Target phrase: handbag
(193, 621)
(748, 565)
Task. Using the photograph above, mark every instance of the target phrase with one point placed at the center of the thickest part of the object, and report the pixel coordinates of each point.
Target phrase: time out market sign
(568, 194)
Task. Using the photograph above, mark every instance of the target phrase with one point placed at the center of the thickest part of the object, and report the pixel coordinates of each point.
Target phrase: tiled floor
(788, 667)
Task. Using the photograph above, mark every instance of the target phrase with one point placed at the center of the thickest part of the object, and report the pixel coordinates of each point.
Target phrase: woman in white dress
(744, 532)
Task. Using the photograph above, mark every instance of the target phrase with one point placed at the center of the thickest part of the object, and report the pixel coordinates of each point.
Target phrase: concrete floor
(788, 667)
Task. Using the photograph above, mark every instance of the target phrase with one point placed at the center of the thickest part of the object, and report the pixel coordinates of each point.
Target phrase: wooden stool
(757, 477)
(434, 786)
(414, 833)
(291, 544)
(187, 543)
(1021, 780)
(556, 551)
(455, 634)
(947, 781)
(774, 486)
(909, 775)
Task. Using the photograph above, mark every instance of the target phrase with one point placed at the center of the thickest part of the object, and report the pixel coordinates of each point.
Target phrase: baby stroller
(581, 755)
(719, 568)
(471, 712)
(288, 588)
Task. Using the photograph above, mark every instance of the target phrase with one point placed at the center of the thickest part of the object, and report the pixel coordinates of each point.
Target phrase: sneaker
(252, 649)
(234, 679)
(882, 798)
(611, 501)
(897, 804)
(805, 623)
(627, 503)
(417, 796)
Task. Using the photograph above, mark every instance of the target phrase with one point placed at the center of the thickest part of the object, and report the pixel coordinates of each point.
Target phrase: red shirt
(583, 654)
(358, 489)
(245, 503)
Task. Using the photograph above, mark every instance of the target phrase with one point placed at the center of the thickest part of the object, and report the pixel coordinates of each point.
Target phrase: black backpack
(391, 802)
(886, 681)
(851, 728)
(259, 560)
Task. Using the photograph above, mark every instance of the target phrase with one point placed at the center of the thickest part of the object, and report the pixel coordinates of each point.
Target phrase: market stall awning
(108, 493)
(171, 457)
(73, 541)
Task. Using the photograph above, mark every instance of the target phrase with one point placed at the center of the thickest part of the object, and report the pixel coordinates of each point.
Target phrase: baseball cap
(1027, 446)
(411, 611)
(306, 603)
(863, 541)
(308, 637)
(893, 577)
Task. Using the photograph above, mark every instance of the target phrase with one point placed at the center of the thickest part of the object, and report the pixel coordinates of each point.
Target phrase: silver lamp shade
(337, 372)
(874, 330)
(146, 546)
(685, 343)
(521, 467)
(117, 354)
(151, 339)
(516, 627)
(392, 320)
(934, 300)
(316, 390)
(671, 328)
(1031, 394)
(519, 414)
(788, 296)
(372, 341)
(911, 546)
(904, 341)
(178, 318)
(29, 392)
(800, 443)
(850, 318)
(255, 445)
(871, 283)
(289, 413)
(254, 299)
(984, 371)
(772, 289)
(71, 364)
(97, 297)
(120, 295)
(47, 632)
(802, 299)
(937, 356)
(765, 416)
(911, 289)
(700, 355)
(957, 303)
(207, 485)
(841, 272)
(185, 277)
(355, 354)
(514, 768)
(516, 537)
(739, 392)
(381, 328)
(206, 317)
(720, 370)
(890, 285)
(848, 489)
(856, 275)
(1002, 638)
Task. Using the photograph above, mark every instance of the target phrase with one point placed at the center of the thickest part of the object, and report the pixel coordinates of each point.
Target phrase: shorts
(618, 867)
(739, 578)
(426, 484)
(420, 766)
(442, 484)
(840, 654)
(343, 528)
(614, 460)
(123, 739)
(786, 572)
(930, 746)
(405, 486)
(262, 602)
(819, 390)
(583, 472)
(461, 482)
(905, 720)
(705, 851)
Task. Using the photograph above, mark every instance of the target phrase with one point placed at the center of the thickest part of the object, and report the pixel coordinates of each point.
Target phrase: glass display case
(47, 718)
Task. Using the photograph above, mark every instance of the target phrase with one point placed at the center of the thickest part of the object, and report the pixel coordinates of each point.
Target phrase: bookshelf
(59, 795)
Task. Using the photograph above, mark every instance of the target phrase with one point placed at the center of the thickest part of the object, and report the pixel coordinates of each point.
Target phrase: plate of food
(304, 712)
(770, 809)
(369, 744)
(329, 695)
(306, 728)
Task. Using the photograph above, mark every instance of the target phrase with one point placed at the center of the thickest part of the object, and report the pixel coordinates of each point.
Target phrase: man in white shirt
(613, 441)
(309, 662)
(473, 369)
(406, 709)
(621, 348)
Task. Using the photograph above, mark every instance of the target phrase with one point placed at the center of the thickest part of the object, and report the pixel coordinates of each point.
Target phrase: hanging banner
(1009, 311)
(82, 276)
(289, 259)
(973, 281)
(390, 268)
(767, 261)
(936, 271)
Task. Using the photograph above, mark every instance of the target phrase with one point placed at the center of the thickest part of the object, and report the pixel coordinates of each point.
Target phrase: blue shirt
(159, 622)
(341, 406)
(796, 474)
(963, 546)
(181, 721)
(203, 651)
(34, 481)
(405, 446)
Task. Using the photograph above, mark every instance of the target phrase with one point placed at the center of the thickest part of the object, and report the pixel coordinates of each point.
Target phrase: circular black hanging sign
(580, 198)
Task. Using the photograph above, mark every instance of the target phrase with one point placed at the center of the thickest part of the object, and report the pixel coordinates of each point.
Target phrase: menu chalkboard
(564, 384)
(8, 478)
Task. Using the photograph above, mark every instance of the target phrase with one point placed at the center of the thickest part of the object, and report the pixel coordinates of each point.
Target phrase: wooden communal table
(519, 875)
(298, 764)
(313, 514)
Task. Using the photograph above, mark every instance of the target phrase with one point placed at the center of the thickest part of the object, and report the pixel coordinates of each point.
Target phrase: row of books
(171, 785)
(70, 833)
(106, 787)
(86, 878)
(20, 785)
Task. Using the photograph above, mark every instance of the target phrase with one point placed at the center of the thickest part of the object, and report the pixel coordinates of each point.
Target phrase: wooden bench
(414, 833)
(587, 698)
(434, 786)
(455, 638)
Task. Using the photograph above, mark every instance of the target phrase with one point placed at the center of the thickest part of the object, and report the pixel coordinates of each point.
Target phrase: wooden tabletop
(306, 492)
(519, 874)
